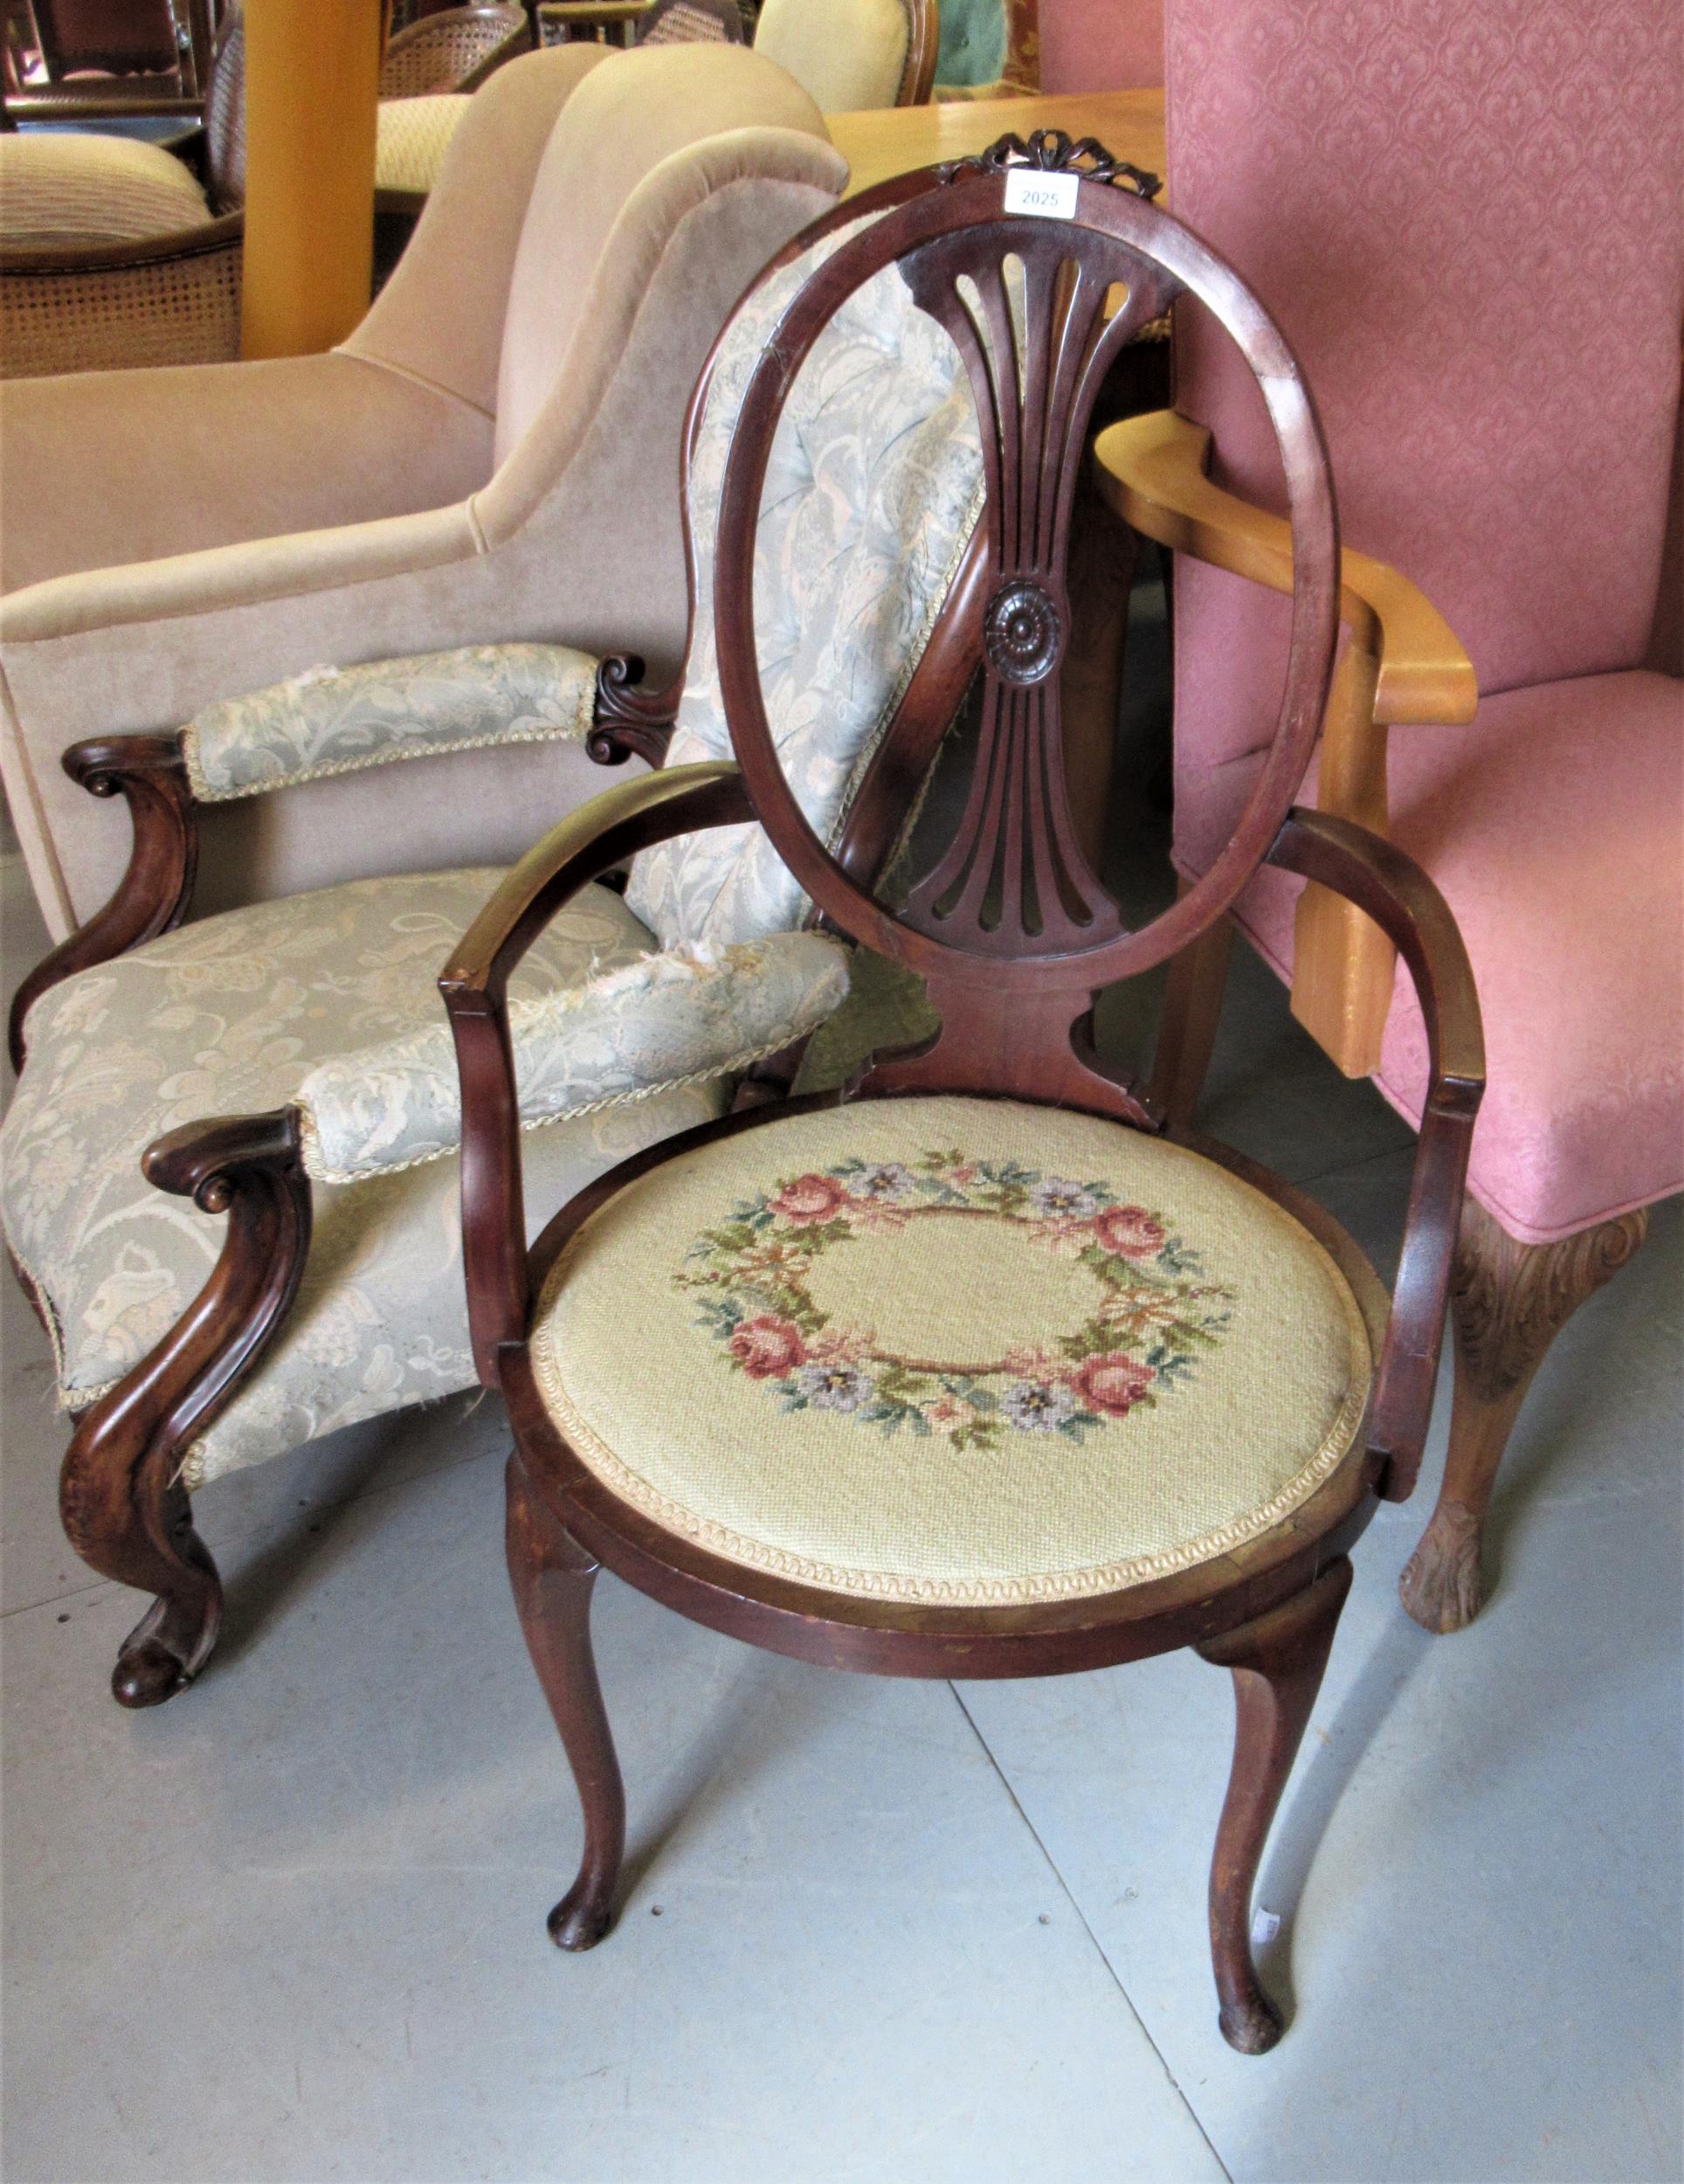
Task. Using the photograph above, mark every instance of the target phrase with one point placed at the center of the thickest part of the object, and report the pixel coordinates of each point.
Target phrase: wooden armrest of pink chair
(1403, 668)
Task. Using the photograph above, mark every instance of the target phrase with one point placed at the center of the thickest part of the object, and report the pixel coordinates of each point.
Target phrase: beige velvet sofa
(491, 456)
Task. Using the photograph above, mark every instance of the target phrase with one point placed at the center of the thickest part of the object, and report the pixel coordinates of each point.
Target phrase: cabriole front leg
(553, 1578)
(1277, 1663)
(125, 1510)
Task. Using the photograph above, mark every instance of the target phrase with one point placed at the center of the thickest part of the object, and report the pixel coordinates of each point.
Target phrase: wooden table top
(893, 139)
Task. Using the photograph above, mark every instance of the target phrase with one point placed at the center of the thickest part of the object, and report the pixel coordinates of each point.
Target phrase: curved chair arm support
(630, 816)
(118, 1492)
(153, 893)
(1152, 472)
(1392, 889)
(124, 1508)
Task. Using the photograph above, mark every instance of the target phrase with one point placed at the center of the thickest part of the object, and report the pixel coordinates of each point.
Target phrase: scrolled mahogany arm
(632, 815)
(629, 720)
(246, 1166)
(153, 893)
(1394, 891)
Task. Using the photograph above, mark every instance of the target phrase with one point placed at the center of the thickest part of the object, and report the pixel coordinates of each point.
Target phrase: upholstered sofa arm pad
(1151, 470)
(337, 719)
(673, 1017)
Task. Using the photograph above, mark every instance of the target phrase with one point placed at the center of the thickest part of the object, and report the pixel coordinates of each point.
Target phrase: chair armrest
(1151, 471)
(1402, 666)
(104, 473)
(1392, 889)
(153, 893)
(340, 720)
(631, 816)
(324, 723)
(676, 1017)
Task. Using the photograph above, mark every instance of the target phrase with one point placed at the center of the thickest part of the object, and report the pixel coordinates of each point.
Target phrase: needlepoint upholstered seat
(952, 1350)
(971, 1369)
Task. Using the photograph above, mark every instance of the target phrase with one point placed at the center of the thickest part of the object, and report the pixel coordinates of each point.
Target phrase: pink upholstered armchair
(1466, 220)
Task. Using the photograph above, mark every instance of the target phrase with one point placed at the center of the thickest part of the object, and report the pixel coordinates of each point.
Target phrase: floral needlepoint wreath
(1154, 1313)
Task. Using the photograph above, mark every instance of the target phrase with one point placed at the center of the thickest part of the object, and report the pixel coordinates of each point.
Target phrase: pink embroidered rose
(1131, 1231)
(808, 1199)
(1112, 1385)
(767, 1347)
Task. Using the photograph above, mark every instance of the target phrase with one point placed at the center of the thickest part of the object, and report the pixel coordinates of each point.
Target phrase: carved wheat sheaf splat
(1031, 324)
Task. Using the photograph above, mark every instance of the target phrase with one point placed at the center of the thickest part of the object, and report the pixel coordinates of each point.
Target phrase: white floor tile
(290, 1926)
(1479, 1856)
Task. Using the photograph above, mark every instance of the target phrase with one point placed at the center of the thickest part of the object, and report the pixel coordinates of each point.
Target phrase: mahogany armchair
(261, 1100)
(1527, 496)
(981, 1371)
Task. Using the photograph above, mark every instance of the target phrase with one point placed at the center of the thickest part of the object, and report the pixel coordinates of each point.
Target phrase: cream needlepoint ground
(954, 1350)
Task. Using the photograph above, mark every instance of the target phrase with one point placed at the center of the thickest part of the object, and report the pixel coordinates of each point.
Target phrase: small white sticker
(1050, 196)
(1266, 1924)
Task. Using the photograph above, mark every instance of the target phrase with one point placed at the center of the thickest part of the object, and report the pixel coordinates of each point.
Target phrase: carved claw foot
(1441, 1587)
(1251, 2025)
(584, 1914)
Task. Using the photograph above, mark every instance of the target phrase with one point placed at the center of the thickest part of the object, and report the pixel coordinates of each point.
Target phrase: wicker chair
(453, 51)
(110, 253)
(120, 291)
(846, 54)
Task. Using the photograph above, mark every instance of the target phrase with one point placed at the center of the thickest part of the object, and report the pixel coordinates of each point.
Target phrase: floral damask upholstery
(952, 1350)
(336, 719)
(258, 1007)
(872, 492)
(629, 1016)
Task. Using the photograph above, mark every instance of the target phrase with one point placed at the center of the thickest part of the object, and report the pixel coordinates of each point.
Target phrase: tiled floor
(290, 1926)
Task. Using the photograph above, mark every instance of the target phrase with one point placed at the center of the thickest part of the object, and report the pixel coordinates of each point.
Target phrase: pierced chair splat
(977, 1370)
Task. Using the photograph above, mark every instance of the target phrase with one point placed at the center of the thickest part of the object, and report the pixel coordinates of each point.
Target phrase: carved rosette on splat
(1026, 309)
(1024, 632)
(1053, 152)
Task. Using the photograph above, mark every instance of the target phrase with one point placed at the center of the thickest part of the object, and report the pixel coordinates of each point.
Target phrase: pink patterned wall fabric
(1102, 45)
(1466, 216)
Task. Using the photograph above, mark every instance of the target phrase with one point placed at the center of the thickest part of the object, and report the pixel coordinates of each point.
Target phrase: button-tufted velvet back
(620, 123)
(1465, 217)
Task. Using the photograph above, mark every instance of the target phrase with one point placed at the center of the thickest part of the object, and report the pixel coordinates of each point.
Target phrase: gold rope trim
(982, 1592)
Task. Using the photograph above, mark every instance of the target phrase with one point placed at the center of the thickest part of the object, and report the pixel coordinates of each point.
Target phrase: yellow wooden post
(312, 99)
